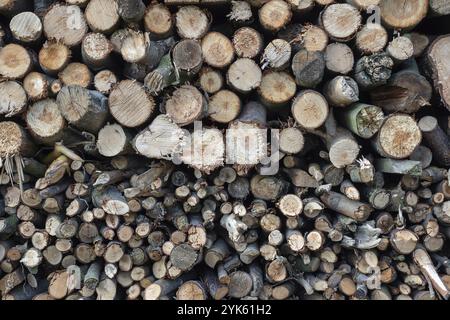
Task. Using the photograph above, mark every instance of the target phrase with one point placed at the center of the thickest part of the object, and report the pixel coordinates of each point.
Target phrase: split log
(204, 150)
(163, 139)
(423, 260)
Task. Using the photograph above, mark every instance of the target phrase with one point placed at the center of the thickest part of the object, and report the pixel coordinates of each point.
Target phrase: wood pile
(137, 140)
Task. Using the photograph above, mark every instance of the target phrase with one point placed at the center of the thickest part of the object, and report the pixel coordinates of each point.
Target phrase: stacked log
(214, 149)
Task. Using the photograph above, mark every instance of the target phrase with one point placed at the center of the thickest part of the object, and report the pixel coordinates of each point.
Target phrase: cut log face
(186, 105)
(308, 68)
(276, 55)
(53, 57)
(314, 38)
(205, 150)
(102, 15)
(162, 140)
(244, 75)
(66, 24)
(341, 21)
(339, 58)
(85, 109)
(399, 136)
(440, 7)
(14, 140)
(277, 88)
(274, 15)
(371, 38)
(188, 56)
(158, 20)
(129, 104)
(26, 27)
(400, 49)
(15, 61)
(45, 121)
(291, 141)
(224, 149)
(439, 68)
(77, 74)
(211, 80)
(96, 49)
(36, 86)
(14, 98)
(191, 22)
(310, 109)
(104, 81)
(398, 14)
(247, 42)
(218, 51)
(224, 106)
(112, 140)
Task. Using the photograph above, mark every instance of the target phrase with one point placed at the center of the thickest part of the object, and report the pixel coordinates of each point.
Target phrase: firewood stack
(125, 173)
